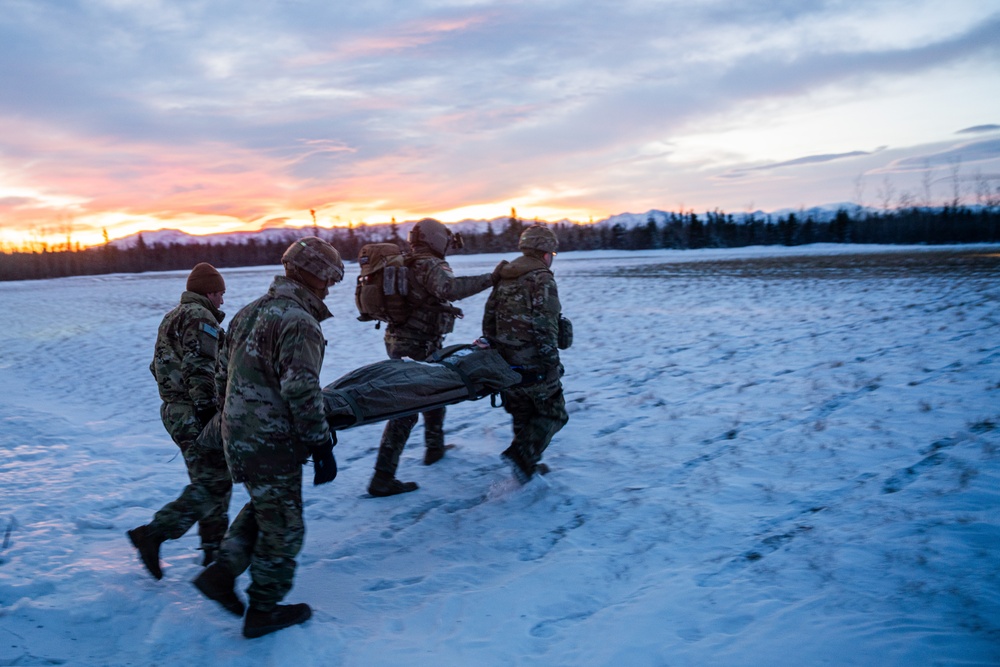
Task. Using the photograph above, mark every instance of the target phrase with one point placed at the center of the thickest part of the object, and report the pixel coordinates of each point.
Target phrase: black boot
(148, 545)
(259, 623)
(432, 455)
(518, 465)
(384, 484)
(217, 583)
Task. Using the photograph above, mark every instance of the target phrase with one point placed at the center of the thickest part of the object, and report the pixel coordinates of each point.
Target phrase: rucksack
(382, 285)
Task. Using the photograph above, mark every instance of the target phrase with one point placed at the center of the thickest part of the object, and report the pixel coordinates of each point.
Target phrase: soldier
(272, 421)
(432, 288)
(522, 320)
(184, 365)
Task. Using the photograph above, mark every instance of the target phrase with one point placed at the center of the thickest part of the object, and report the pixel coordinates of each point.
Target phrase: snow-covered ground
(767, 463)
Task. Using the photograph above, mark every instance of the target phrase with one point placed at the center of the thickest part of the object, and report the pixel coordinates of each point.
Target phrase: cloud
(18, 202)
(979, 129)
(977, 151)
(809, 159)
(257, 111)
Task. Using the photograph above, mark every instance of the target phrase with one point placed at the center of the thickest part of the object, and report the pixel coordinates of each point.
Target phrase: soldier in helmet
(522, 320)
(273, 420)
(432, 288)
(184, 365)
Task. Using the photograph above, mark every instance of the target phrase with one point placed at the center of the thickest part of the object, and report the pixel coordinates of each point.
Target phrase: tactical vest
(516, 317)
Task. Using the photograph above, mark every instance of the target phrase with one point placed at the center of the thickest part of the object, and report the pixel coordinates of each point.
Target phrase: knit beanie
(205, 279)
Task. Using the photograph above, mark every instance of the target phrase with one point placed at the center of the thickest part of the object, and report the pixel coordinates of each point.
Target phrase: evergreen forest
(947, 225)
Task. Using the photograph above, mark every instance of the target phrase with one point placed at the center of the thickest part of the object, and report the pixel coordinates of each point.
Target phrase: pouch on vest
(383, 284)
(565, 339)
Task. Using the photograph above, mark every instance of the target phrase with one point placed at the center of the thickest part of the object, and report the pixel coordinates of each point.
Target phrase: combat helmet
(316, 257)
(538, 237)
(433, 234)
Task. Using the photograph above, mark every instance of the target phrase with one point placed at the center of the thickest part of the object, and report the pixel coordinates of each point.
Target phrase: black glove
(324, 465)
(495, 276)
(204, 415)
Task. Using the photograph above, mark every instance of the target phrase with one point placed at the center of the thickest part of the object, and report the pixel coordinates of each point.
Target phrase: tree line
(680, 230)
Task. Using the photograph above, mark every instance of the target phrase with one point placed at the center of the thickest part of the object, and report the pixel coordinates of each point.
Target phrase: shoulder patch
(210, 330)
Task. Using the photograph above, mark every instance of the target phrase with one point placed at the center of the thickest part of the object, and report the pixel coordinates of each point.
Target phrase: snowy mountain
(282, 234)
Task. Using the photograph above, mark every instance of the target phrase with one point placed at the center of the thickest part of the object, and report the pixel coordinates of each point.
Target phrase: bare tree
(906, 199)
(986, 195)
(859, 192)
(955, 175)
(927, 180)
(886, 193)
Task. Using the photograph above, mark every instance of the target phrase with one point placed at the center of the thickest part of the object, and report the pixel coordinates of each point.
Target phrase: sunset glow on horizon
(122, 117)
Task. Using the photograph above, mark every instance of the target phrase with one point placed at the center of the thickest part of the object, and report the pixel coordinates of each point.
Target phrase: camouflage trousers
(266, 536)
(538, 412)
(397, 431)
(206, 499)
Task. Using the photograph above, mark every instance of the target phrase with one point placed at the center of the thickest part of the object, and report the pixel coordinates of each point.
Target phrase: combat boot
(433, 454)
(384, 484)
(518, 465)
(148, 543)
(260, 623)
(217, 583)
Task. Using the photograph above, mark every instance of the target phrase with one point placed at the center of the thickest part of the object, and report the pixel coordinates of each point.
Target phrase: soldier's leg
(277, 505)
(236, 550)
(548, 417)
(218, 580)
(538, 413)
(394, 438)
(214, 477)
(384, 482)
(520, 408)
(434, 436)
(176, 517)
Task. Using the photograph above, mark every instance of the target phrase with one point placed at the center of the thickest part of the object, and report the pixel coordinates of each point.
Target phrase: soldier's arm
(300, 356)
(445, 285)
(545, 319)
(222, 369)
(200, 342)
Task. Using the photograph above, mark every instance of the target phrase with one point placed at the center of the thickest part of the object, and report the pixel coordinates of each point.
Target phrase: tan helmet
(433, 234)
(317, 257)
(538, 237)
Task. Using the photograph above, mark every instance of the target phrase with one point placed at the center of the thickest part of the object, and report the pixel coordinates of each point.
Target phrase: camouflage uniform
(184, 364)
(272, 420)
(432, 288)
(521, 320)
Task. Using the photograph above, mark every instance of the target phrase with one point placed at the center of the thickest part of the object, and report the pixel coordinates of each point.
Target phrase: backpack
(382, 285)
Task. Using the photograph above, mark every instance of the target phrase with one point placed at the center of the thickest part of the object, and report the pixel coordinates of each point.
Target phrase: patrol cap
(317, 257)
(205, 279)
(538, 237)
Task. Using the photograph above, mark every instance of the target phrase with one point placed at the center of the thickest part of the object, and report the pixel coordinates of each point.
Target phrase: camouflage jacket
(522, 315)
(187, 352)
(274, 415)
(433, 286)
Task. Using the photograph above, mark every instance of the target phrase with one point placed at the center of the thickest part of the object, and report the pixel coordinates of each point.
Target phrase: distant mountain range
(283, 234)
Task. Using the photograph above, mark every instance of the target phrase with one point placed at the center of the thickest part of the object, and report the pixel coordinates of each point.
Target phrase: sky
(213, 116)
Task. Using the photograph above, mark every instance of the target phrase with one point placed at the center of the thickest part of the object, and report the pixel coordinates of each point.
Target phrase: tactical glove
(324, 465)
(495, 276)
